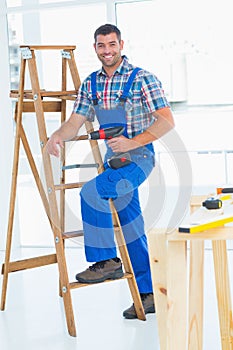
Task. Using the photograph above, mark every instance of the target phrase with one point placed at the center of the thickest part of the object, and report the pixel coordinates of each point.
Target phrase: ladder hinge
(66, 54)
(26, 53)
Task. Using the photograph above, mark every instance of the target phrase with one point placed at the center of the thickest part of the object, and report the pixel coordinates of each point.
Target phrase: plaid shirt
(145, 96)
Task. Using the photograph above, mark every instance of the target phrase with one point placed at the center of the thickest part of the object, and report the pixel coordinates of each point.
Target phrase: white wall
(6, 130)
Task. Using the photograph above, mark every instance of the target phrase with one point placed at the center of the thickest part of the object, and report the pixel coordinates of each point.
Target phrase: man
(118, 94)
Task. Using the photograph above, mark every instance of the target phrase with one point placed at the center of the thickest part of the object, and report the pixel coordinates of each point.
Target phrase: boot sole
(112, 276)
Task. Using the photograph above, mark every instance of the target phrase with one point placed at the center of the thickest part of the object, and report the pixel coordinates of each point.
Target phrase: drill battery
(119, 160)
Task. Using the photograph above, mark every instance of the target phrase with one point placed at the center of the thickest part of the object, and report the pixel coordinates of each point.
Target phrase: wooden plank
(176, 296)
(196, 286)
(224, 232)
(48, 106)
(196, 289)
(30, 263)
(158, 262)
(223, 293)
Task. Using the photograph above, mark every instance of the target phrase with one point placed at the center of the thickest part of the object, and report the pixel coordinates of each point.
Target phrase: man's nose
(107, 49)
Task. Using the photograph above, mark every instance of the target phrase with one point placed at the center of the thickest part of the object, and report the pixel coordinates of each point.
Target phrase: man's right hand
(66, 132)
(53, 144)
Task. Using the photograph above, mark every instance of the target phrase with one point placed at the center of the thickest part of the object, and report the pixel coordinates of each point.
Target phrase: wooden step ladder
(42, 101)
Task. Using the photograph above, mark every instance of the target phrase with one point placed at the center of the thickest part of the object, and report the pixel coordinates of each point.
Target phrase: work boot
(147, 302)
(101, 271)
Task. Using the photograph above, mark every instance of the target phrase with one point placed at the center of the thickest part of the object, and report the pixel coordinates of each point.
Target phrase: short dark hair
(107, 29)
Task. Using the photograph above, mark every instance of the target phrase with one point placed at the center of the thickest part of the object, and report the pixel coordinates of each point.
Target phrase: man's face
(108, 49)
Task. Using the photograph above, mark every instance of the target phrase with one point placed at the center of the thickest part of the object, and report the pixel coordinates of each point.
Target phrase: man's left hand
(122, 144)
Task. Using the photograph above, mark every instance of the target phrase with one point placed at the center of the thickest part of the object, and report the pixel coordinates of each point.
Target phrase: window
(185, 43)
(71, 25)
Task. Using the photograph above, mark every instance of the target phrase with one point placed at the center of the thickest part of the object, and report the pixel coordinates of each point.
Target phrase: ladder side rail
(63, 273)
(13, 184)
(68, 58)
(35, 172)
(63, 150)
(127, 264)
(74, 71)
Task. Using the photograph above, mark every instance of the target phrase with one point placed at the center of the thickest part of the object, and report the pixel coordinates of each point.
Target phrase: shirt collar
(121, 69)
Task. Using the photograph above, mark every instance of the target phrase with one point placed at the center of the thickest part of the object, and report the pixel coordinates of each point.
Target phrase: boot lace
(98, 265)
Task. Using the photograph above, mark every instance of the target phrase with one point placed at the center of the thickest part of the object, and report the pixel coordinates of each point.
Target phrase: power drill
(106, 133)
(117, 160)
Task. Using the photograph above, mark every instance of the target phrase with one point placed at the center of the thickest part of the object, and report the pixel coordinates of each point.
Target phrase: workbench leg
(196, 278)
(177, 295)
(223, 293)
(158, 260)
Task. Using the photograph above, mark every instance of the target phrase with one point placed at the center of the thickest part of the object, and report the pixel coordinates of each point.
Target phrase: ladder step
(49, 47)
(30, 263)
(75, 166)
(69, 186)
(72, 234)
(80, 233)
(70, 94)
(74, 285)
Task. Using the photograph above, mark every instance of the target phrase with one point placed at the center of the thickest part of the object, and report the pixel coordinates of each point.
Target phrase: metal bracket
(66, 54)
(49, 190)
(64, 289)
(26, 53)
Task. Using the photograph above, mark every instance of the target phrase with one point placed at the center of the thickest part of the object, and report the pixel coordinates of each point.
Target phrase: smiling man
(118, 94)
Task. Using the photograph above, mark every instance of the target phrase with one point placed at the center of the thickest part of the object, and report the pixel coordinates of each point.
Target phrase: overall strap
(93, 88)
(128, 85)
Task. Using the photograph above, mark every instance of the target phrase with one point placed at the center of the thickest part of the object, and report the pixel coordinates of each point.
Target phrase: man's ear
(121, 44)
(94, 45)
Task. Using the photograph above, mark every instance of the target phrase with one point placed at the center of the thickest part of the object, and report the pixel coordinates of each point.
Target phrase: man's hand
(163, 123)
(122, 144)
(53, 144)
(66, 132)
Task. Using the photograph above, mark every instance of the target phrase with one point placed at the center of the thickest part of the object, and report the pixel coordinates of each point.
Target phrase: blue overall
(121, 185)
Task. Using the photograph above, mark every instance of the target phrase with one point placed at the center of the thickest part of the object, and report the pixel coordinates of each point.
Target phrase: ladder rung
(31, 263)
(69, 186)
(48, 106)
(74, 285)
(29, 95)
(49, 47)
(78, 166)
(72, 234)
(58, 93)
